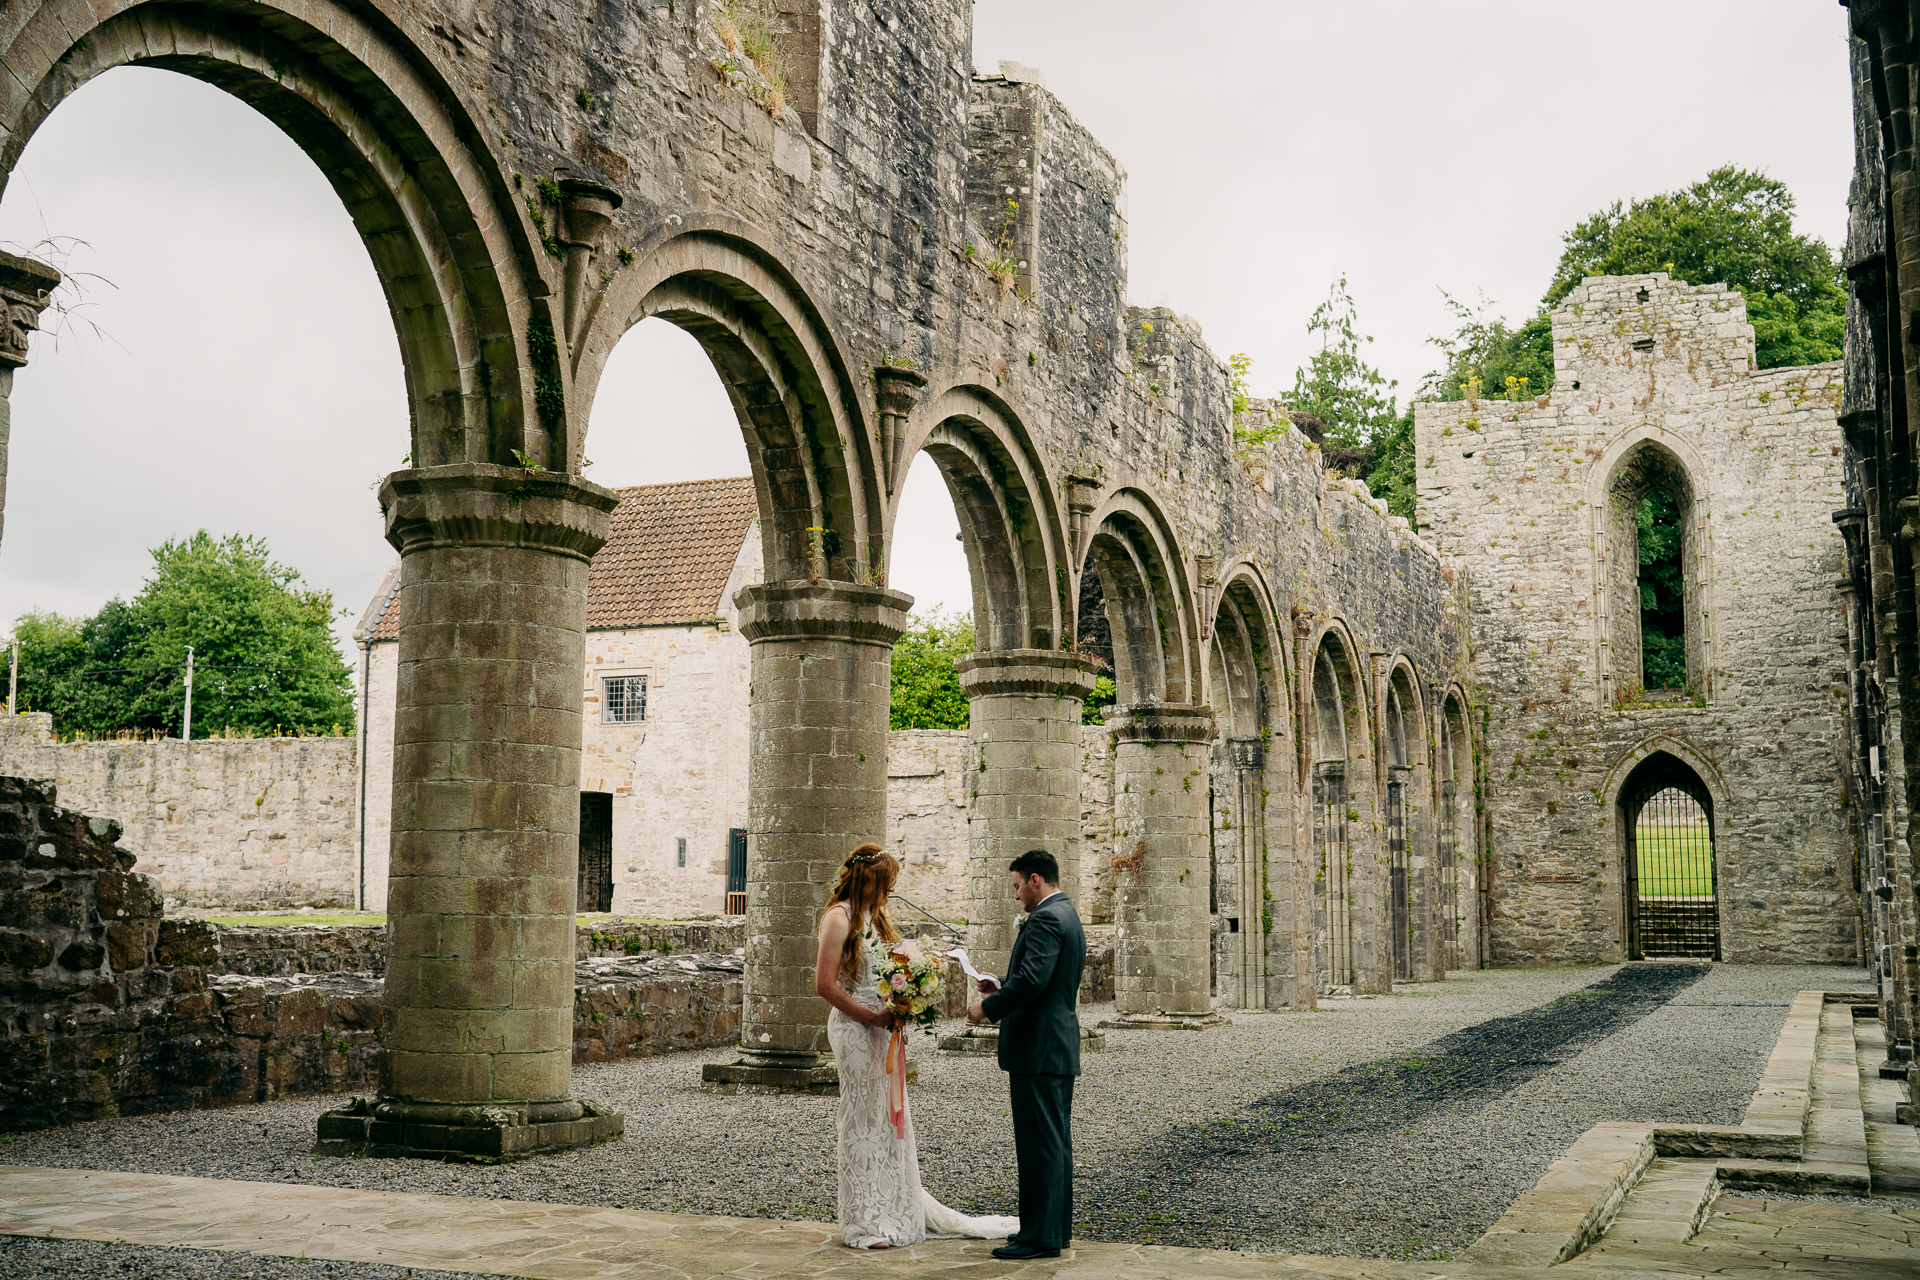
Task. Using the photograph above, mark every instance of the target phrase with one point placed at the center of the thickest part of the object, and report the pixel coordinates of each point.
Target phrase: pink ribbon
(897, 1085)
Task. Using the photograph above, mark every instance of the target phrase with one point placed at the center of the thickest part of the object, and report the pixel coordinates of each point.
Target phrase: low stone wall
(642, 1008)
(268, 951)
(255, 823)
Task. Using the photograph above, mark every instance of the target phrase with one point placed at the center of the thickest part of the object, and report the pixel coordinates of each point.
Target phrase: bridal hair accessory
(862, 859)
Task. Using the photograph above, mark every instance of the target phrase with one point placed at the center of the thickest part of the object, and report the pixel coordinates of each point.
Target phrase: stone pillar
(478, 1014)
(1161, 869)
(1023, 781)
(26, 286)
(822, 656)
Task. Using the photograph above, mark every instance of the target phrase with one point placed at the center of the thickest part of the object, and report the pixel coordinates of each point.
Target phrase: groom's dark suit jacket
(1037, 1006)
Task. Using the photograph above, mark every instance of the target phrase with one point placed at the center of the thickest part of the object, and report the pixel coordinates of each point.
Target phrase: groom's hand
(976, 1014)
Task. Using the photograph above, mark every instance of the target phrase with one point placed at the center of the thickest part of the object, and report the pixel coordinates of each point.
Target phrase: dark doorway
(596, 851)
(737, 871)
(1672, 884)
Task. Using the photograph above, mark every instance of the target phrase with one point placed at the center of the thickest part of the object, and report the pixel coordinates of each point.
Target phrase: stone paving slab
(562, 1242)
(1740, 1237)
(1893, 1149)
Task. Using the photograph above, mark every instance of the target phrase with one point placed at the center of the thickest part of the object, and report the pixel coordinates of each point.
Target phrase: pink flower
(899, 982)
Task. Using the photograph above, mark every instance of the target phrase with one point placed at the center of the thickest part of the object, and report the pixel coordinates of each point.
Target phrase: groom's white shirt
(1043, 902)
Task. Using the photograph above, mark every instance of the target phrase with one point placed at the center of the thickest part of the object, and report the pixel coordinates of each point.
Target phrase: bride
(881, 1200)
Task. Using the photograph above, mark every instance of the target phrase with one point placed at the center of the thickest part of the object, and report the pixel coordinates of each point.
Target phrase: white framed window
(623, 699)
(680, 851)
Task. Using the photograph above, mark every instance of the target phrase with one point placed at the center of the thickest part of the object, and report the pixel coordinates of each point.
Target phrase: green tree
(77, 668)
(1348, 406)
(1663, 641)
(1351, 399)
(264, 656)
(926, 690)
(1735, 228)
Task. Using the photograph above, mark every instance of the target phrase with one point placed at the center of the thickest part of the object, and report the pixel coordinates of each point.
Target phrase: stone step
(1667, 1204)
(1893, 1149)
(1833, 1157)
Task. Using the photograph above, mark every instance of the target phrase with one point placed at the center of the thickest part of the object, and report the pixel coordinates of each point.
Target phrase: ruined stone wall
(245, 823)
(1521, 493)
(828, 239)
(927, 819)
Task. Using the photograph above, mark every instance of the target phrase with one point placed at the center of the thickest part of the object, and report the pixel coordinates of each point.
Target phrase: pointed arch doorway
(1672, 877)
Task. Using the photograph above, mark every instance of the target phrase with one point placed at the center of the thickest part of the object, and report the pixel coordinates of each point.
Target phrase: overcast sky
(250, 380)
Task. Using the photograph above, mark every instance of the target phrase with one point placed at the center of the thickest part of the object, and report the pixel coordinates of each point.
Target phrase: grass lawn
(1674, 861)
(268, 919)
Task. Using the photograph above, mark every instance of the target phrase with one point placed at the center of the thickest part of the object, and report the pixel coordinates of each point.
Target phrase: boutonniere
(1020, 921)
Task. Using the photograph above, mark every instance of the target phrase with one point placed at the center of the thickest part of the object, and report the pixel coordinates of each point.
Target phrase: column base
(987, 1040)
(1166, 1022)
(822, 1079)
(480, 1134)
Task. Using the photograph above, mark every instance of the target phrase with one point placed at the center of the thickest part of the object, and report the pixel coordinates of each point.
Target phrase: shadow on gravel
(1324, 1162)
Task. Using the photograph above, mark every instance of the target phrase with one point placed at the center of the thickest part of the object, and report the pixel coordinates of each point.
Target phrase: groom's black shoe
(1021, 1252)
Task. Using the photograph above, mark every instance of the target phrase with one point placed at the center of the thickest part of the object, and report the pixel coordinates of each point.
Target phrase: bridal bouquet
(909, 983)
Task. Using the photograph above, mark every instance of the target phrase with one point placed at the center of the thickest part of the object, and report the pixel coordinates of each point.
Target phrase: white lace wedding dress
(880, 1194)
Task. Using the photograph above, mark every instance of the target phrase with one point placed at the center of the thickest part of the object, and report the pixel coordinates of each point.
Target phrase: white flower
(1020, 921)
(910, 951)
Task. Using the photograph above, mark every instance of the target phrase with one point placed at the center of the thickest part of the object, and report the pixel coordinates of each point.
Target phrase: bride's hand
(878, 1018)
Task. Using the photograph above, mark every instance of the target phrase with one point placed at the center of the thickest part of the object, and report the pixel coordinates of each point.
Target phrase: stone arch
(1255, 895)
(808, 443)
(1332, 689)
(1337, 752)
(1636, 463)
(1149, 604)
(1408, 777)
(1659, 760)
(1010, 519)
(1457, 909)
(383, 125)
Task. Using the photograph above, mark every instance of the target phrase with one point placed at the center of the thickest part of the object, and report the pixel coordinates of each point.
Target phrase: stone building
(1880, 515)
(663, 785)
(1588, 770)
(897, 255)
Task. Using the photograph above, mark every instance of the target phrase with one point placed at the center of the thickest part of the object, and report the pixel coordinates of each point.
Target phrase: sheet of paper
(966, 967)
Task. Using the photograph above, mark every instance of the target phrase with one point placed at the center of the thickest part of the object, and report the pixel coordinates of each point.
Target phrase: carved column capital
(896, 391)
(26, 286)
(805, 610)
(480, 504)
(1161, 722)
(1048, 672)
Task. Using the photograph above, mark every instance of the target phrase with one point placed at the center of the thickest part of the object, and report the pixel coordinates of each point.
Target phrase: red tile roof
(667, 559)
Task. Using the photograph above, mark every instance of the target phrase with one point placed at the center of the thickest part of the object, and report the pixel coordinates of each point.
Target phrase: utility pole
(186, 721)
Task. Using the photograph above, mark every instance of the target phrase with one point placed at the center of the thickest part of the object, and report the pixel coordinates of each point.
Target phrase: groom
(1040, 1052)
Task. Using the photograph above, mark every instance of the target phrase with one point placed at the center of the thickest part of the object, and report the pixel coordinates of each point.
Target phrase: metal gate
(596, 851)
(1332, 882)
(1401, 913)
(1672, 891)
(737, 871)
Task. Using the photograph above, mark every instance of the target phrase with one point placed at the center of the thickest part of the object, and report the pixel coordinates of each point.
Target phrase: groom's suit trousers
(1043, 1145)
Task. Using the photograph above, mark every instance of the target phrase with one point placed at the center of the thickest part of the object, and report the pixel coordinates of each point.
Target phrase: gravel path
(1162, 1121)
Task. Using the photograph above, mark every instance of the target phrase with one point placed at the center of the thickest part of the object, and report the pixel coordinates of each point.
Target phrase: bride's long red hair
(866, 878)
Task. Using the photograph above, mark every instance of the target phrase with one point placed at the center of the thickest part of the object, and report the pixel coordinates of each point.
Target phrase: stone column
(1163, 939)
(478, 1014)
(1023, 781)
(26, 286)
(822, 667)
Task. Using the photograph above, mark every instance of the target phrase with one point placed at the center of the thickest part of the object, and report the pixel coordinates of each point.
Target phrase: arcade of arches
(1346, 755)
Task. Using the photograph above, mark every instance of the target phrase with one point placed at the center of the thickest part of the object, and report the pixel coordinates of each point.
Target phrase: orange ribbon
(897, 1085)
